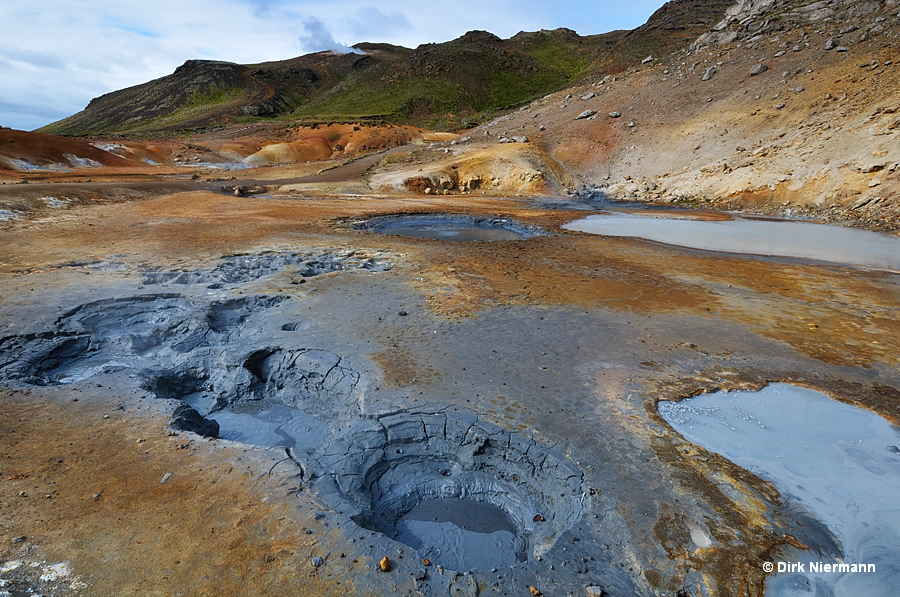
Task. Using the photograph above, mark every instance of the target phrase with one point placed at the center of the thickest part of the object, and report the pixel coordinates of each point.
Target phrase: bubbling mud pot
(468, 495)
(458, 228)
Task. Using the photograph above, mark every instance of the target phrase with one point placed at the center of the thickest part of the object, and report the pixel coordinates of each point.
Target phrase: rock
(758, 69)
(589, 96)
(186, 418)
(402, 313)
(542, 128)
(796, 89)
(842, 49)
(709, 73)
(831, 44)
(166, 477)
(647, 59)
(520, 139)
(534, 591)
(615, 114)
(797, 48)
(594, 591)
(19, 539)
(585, 114)
(631, 124)
(385, 564)
(316, 561)
(779, 54)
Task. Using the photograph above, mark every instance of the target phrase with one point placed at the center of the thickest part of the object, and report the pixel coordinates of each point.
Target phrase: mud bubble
(449, 227)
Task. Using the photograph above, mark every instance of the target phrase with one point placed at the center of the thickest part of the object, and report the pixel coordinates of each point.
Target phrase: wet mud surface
(372, 386)
(449, 227)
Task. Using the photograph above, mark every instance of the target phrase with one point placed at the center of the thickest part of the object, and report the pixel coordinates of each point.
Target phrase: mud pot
(457, 228)
(280, 410)
(839, 461)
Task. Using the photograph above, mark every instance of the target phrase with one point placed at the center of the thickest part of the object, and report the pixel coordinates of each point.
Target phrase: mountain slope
(447, 85)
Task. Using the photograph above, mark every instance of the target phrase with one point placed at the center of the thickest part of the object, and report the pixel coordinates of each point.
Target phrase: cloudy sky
(56, 55)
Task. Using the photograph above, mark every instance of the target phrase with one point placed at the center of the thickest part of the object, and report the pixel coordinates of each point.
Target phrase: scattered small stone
(534, 591)
(589, 96)
(842, 49)
(647, 59)
(797, 48)
(779, 106)
(594, 591)
(19, 539)
(165, 478)
(95, 497)
(779, 54)
(420, 576)
(709, 73)
(831, 44)
(316, 561)
(538, 518)
(542, 128)
(758, 69)
(385, 564)
(426, 562)
(615, 114)
(631, 124)
(319, 515)
(585, 114)
(402, 313)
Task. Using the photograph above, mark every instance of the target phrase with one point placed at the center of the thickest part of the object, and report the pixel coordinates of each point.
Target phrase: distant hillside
(443, 86)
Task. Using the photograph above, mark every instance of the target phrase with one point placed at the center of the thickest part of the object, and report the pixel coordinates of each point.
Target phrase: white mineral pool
(840, 462)
(805, 240)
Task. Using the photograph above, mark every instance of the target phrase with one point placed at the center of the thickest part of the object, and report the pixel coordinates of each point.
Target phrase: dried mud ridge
(208, 352)
(243, 268)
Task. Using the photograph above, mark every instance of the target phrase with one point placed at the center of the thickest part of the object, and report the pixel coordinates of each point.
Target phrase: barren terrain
(148, 286)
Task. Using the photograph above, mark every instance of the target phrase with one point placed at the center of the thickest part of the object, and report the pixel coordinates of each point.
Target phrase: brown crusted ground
(81, 482)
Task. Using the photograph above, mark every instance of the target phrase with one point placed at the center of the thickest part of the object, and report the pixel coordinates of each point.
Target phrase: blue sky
(56, 55)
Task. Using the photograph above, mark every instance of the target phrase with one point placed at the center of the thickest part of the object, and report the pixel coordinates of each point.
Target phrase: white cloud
(57, 55)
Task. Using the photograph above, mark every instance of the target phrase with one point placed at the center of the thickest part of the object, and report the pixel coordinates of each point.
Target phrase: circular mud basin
(467, 495)
(458, 228)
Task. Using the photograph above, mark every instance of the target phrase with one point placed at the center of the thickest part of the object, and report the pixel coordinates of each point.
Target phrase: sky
(57, 55)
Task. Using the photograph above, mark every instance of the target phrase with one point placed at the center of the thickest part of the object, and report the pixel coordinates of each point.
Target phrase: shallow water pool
(840, 462)
(807, 240)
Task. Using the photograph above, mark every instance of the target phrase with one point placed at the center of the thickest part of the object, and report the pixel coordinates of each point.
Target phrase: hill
(444, 86)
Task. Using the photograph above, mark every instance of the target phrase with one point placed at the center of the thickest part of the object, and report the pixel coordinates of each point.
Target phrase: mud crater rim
(383, 472)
